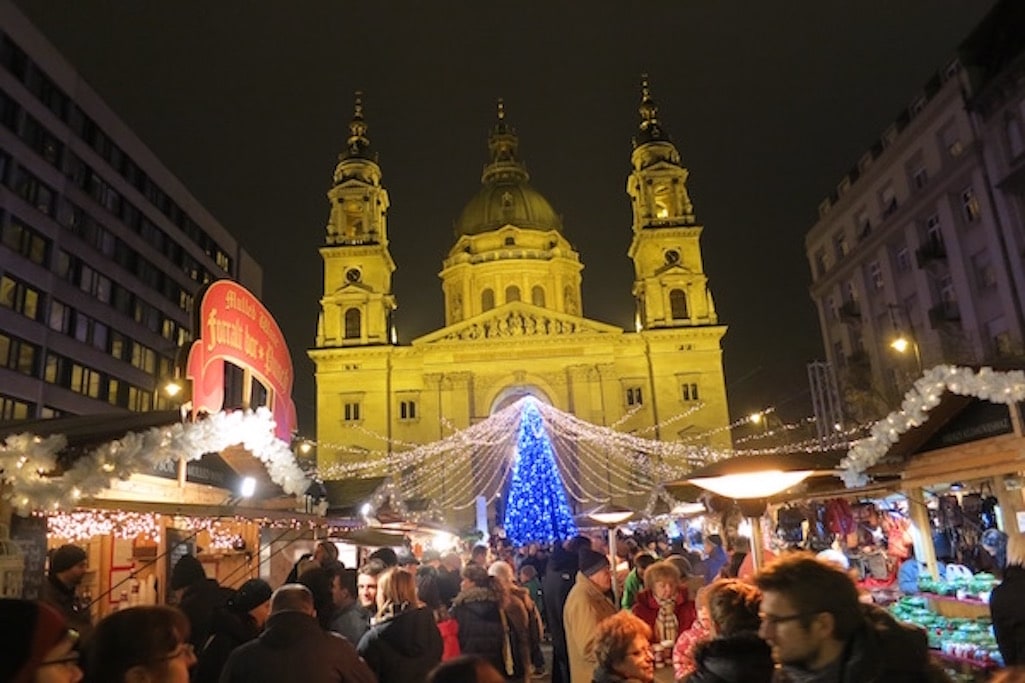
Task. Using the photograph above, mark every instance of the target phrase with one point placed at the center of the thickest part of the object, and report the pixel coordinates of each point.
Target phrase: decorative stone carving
(517, 324)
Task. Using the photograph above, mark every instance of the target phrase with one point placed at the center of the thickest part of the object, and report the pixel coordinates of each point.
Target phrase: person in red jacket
(664, 604)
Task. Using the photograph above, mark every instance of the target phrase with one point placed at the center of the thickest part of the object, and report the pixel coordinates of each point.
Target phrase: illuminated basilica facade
(514, 322)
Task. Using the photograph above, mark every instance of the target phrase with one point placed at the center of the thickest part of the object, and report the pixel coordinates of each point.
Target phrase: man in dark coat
(403, 646)
(560, 576)
(198, 597)
(68, 565)
(820, 632)
(1007, 605)
(293, 647)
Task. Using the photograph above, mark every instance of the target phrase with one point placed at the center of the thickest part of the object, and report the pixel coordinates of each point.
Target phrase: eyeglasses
(776, 620)
(186, 650)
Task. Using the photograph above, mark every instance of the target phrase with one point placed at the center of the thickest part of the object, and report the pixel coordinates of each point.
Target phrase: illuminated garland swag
(26, 459)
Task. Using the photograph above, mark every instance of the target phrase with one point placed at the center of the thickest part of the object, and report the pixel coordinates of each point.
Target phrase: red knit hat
(28, 631)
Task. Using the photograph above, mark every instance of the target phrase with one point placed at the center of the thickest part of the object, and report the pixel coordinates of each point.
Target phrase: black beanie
(250, 595)
(66, 557)
(188, 571)
(592, 562)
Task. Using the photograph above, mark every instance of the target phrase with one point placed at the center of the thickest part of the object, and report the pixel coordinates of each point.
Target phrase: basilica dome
(506, 197)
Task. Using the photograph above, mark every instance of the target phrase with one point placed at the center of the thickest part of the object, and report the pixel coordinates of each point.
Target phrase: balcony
(929, 252)
(944, 313)
(850, 311)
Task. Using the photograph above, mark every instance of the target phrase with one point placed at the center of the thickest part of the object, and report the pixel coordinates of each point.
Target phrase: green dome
(507, 202)
(506, 197)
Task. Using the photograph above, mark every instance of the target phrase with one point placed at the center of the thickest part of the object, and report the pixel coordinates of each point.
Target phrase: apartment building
(917, 256)
(102, 249)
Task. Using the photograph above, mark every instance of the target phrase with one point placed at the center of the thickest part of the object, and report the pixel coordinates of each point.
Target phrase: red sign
(234, 326)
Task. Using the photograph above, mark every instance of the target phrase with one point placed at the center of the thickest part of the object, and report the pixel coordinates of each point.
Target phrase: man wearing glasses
(820, 633)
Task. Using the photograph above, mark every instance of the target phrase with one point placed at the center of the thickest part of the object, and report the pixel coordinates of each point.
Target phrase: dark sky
(769, 104)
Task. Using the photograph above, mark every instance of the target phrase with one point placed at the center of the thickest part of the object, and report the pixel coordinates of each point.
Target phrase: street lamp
(611, 516)
(901, 345)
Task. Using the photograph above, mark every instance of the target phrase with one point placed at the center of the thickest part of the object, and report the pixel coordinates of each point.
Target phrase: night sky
(769, 104)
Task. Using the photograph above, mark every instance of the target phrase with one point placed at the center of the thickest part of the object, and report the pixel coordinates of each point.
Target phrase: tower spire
(503, 144)
(650, 129)
(358, 144)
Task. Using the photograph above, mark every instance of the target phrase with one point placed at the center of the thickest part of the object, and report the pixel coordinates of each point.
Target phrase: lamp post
(901, 345)
(611, 516)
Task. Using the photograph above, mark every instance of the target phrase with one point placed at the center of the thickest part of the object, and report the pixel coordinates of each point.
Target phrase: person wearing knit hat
(198, 597)
(242, 620)
(68, 565)
(586, 605)
(37, 647)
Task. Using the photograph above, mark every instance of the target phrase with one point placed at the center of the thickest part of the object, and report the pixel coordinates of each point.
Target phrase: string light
(28, 462)
(81, 525)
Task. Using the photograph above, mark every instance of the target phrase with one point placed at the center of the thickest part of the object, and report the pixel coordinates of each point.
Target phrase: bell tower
(670, 285)
(358, 302)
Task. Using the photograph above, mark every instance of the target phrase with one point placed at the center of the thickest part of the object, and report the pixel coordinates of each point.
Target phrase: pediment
(514, 320)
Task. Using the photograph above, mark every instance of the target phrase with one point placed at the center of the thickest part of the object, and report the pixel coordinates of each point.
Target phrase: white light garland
(986, 384)
(26, 460)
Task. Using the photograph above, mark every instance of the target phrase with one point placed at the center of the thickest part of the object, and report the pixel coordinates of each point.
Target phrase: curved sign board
(234, 326)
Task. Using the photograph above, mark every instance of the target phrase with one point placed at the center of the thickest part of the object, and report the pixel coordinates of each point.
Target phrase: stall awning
(345, 497)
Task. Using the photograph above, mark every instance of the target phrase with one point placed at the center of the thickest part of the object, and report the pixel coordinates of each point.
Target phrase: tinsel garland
(26, 460)
(986, 384)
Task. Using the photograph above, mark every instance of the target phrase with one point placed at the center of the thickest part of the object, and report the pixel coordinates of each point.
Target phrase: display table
(950, 607)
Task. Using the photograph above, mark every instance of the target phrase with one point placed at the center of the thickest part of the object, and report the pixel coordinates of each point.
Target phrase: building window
(26, 242)
(887, 200)
(13, 409)
(18, 296)
(18, 355)
(840, 245)
(512, 293)
(407, 410)
(350, 412)
(831, 308)
(678, 304)
(862, 224)
(985, 273)
(820, 263)
(919, 177)
(487, 300)
(903, 259)
(934, 232)
(537, 295)
(875, 274)
(352, 323)
(970, 209)
(634, 397)
(690, 391)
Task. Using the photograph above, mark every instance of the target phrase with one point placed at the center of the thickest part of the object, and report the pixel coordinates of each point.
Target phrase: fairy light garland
(81, 525)
(26, 460)
(986, 384)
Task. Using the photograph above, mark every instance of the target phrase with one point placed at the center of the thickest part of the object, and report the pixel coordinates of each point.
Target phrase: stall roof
(346, 496)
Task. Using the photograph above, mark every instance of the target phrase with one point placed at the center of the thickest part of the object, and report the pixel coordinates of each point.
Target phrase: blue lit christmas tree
(537, 509)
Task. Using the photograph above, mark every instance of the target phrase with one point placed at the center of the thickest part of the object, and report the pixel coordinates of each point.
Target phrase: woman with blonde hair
(526, 620)
(404, 644)
(622, 650)
(664, 604)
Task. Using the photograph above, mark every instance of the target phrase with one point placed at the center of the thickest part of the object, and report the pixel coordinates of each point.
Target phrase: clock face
(672, 256)
(353, 275)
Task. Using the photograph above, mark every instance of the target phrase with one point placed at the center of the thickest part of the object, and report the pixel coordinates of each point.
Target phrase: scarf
(667, 627)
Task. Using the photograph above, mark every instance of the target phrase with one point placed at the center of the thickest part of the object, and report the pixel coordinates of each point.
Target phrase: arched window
(678, 304)
(537, 295)
(487, 300)
(512, 293)
(352, 323)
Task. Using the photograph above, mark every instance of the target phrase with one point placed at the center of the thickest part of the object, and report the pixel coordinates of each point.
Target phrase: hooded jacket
(883, 650)
(403, 648)
(740, 658)
(199, 602)
(293, 647)
(479, 612)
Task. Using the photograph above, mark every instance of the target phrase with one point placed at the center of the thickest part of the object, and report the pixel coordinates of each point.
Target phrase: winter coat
(199, 602)
(1007, 608)
(586, 605)
(479, 612)
(229, 630)
(558, 581)
(403, 648)
(740, 658)
(351, 622)
(633, 585)
(293, 647)
(883, 650)
(646, 609)
(606, 676)
(57, 595)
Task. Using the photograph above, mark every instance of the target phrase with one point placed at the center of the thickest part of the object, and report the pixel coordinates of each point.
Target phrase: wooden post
(920, 517)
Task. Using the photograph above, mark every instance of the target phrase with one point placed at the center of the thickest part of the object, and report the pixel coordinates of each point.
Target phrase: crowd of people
(443, 618)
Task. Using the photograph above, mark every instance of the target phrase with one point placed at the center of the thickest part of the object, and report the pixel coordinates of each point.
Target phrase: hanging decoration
(27, 462)
(537, 509)
(986, 384)
(81, 525)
